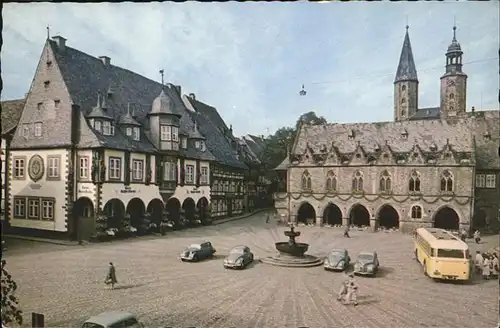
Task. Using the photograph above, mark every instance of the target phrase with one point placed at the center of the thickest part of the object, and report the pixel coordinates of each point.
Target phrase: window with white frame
(128, 132)
(83, 168)
(20, 208)
(490, 181)
(480, 180)
(197, 144)
(33, 209)
(175, 133)
(204, 175)
(184, 142)
(189, 173)
(115, 168)
(137, 133)
(37, 129)
(26, 130)
(97, 125)
(137, 169)
(202, 146)
(107, 128)
(166, 133)
(19, 168)
(53, 167)
(169, 171)
(47, 209)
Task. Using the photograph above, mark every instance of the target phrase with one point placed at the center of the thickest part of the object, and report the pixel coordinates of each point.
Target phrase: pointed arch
(385, 184)
(306, 181)
(414, 183)
(331, 181)
(416, 212)
(357, 182)
(446, 181)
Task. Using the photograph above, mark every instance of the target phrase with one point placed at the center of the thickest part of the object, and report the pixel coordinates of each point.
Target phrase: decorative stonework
(36, 168)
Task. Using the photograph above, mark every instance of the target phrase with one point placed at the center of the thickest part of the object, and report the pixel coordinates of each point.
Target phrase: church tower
(453, 82)
(405, 84)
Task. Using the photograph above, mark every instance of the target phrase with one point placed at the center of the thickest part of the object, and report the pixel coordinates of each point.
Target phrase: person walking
(111, 276)
(477, 236)
(495, 267)
(346, 232)
(486, 267)
(352, 293)
(343, 288)
(479, 262)
(463, 235)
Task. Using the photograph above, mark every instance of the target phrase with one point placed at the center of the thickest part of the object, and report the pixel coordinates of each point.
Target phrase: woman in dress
(111, 277)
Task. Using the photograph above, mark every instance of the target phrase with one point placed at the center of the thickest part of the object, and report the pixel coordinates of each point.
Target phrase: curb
(75, 243)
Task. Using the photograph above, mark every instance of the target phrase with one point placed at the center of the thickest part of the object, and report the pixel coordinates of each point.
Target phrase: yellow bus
(442, 255)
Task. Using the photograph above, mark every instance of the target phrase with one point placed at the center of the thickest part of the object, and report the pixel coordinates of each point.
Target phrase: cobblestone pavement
(66, 283)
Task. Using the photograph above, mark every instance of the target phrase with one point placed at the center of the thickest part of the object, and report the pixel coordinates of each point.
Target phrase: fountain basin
(292, 233)
(287, 248)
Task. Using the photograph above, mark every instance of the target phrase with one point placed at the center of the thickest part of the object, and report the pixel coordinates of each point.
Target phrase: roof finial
(407, 26)
(98, 99)
(48, 32)
(128, 108)
(161, 73)
(454, 29)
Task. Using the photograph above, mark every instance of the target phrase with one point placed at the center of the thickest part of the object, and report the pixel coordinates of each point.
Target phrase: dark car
(239, 257)
(337, 260)
(366, 264)
(198, 252)
(113, 319)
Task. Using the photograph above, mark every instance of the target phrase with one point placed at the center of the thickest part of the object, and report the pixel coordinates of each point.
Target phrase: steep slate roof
(217, 142)
(425, 133)
(426, 113)
(11, 113)
(86, 76)
(255, 144)
(487, 146)
(283, 165)
(406, 69)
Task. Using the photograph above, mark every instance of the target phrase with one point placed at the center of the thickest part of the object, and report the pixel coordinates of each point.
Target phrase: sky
(250, 60)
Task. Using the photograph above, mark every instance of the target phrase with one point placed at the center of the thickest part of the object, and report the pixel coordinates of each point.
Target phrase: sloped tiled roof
(370, 136)
(406, 69)
(11, 113)
(256, 144)
(283, 165)
(426, 113)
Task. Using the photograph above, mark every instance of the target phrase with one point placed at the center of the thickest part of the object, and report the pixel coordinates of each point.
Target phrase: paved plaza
(66, 283)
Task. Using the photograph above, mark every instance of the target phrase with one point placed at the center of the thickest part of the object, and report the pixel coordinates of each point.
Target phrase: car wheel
(196, 258)
(416, 256)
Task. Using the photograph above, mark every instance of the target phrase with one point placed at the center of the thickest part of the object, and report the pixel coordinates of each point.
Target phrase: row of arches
(115, 210)
(387, 216)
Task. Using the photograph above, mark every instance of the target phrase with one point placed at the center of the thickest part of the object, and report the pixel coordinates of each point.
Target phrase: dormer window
(46, 84)
(97, 125)
(128, 132)
(107, 128)
(351, 135)
(487, 135)
(202, 146)
(404, 134)
(137, 133)
(197, 144)
(184, 143)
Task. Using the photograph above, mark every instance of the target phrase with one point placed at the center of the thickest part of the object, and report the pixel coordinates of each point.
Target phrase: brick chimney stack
(60, 41)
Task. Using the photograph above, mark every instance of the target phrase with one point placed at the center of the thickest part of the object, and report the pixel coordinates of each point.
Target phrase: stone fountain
(291, 253)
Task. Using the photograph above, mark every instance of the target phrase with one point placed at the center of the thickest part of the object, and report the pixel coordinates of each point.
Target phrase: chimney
(473, 109)
(192, 96)
(105, 60)
(178, 88)
(60, 41)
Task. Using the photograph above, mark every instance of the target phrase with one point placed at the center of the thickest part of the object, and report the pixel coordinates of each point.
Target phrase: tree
(10, 305)
(276, 145)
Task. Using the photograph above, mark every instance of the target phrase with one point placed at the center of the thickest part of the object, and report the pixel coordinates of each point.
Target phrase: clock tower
(453, 82)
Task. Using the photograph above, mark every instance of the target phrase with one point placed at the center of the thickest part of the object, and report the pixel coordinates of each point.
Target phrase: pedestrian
(111, 276)
(463, 235)
(346, 232)
(479, 262)
(486, 267)
(267, 219)
(352, 293)
(477, 236)
(343, 288)
(495, 266)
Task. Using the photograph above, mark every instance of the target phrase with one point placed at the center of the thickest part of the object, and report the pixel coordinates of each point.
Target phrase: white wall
(191, 191)
(3, 155)
(41, 188)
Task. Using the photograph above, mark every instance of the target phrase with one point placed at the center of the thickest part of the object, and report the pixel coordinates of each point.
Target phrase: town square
(250, 165)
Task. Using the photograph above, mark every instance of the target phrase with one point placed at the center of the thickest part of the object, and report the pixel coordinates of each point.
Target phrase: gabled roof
(406, 69)
(426, 113)
(11, 113)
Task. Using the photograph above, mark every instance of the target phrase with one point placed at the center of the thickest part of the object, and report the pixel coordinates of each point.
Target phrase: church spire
(406, 69)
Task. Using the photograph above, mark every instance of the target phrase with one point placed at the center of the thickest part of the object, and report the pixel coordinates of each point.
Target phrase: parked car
(239, 257)
(113, 319)
(198, 252)
(337, 260)
(366, 264)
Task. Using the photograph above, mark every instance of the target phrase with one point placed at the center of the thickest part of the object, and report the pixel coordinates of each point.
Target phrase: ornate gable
(333, 156)
(386, 155)
(416, 155)
(447, 155)
(359, 155)
(307, 158)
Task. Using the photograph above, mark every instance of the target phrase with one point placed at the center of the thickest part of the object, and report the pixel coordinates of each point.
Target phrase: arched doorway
(306, 212)
(479, 219)
(115, 212)
(82, 223)
(388, 217)
(136, 209)
(173, 208)
(359, 216)
(332, 215)
(447, 218)
(203, 208)
(155, 210)
(189, 208)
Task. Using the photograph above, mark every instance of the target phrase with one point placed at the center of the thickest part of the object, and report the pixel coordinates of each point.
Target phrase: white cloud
(250, 59)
